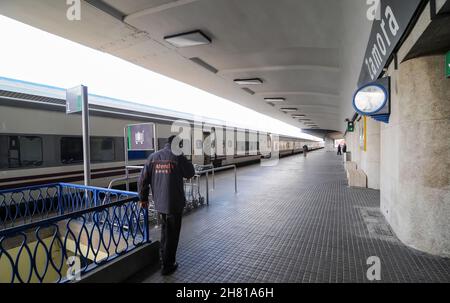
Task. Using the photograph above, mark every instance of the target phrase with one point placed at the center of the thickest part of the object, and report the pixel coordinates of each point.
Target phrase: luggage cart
(194, 198)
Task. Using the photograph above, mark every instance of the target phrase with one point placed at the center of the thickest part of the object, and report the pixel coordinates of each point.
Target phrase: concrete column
(415, 156)
(329, 145)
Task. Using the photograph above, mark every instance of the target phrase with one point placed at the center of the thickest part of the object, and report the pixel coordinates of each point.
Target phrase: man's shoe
(169, 270)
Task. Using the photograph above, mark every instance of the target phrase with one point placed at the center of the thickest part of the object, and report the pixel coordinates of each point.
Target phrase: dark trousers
(170, 234)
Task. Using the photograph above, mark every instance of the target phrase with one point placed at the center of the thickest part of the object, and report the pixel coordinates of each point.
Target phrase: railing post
(60, 199)
(213, 179)
(235, 179)
(146, 226)
(94, 192)
(207, 188)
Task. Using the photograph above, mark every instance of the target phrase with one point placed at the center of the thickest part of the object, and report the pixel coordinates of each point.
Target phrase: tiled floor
(294, 222)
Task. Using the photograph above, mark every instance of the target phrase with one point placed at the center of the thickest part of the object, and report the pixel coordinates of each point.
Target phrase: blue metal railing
(28, 204)
(88, 224)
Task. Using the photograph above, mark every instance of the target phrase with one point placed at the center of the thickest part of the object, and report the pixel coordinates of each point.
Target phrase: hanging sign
(373, 99)
(392, 18)
(141, 136)
(74, 100)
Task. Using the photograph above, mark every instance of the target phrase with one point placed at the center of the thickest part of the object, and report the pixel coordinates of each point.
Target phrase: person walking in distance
(305, 150)
(339, 152)
(163, 173)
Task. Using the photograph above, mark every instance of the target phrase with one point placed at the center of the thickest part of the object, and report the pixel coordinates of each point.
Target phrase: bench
(356, 178)
(350, 165)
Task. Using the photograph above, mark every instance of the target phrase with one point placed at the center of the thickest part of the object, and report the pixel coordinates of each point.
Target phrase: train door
(208, 151)
(14, 152)
(229, 146)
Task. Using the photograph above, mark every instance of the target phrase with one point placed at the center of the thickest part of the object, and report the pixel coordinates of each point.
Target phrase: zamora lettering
(383, 42)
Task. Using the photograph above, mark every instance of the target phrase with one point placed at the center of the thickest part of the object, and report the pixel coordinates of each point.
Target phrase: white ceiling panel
(304, 50)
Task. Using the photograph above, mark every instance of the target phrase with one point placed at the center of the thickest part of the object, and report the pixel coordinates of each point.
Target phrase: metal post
(213, 179)
(207, 188)
(146, 226)
(86, 140)
(125, 143)
(235, 179)
(60, 200)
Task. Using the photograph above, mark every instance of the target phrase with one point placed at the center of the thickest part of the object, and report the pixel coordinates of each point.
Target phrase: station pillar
(415, 155)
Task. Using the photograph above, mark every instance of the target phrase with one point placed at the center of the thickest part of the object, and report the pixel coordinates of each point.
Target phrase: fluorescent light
(297, 116)
(289, 109)
(252, 81)
(274, 99)
(193, 38)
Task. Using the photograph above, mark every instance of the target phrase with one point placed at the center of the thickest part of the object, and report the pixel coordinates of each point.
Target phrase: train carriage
(40, 144)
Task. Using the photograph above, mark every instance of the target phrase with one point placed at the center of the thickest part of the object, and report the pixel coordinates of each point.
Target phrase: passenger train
(40, 143)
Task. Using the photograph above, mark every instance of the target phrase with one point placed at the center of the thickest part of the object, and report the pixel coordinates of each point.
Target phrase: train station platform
(294, 222)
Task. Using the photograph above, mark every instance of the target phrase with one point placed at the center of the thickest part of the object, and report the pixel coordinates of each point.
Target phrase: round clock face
(370, 99)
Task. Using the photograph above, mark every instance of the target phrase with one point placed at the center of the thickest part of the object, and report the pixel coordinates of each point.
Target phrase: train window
(71, 150)
(138, 154)
(102, 149)
(30, 151)
(3, 152)
(162, 142)
(20, 151)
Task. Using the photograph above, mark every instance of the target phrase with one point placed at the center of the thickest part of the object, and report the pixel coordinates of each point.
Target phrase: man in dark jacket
(164, 172)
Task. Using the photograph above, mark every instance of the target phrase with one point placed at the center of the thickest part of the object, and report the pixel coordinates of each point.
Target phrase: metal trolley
(194, 197)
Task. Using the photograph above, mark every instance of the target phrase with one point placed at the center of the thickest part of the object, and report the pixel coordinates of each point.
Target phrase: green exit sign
(351, 127)
(447, 65)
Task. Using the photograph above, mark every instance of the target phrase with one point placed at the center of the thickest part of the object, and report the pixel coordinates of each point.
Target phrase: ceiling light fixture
(297, 116)
(289, 109)
(193, 38)
(274, 99)
(252, 81)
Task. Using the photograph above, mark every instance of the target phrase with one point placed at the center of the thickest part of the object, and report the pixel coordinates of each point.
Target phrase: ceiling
(306, 51)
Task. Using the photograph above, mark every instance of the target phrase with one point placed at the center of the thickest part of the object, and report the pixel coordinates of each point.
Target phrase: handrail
(95, 235)
(121, 179)
(213, 170)
(127, 176)
(23, 205)
(7, 231)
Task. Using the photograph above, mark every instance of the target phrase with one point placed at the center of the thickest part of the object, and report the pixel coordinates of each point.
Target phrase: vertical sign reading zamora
(394, 17)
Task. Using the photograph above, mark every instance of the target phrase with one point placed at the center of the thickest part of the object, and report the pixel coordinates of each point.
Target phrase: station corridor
(294, 222)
